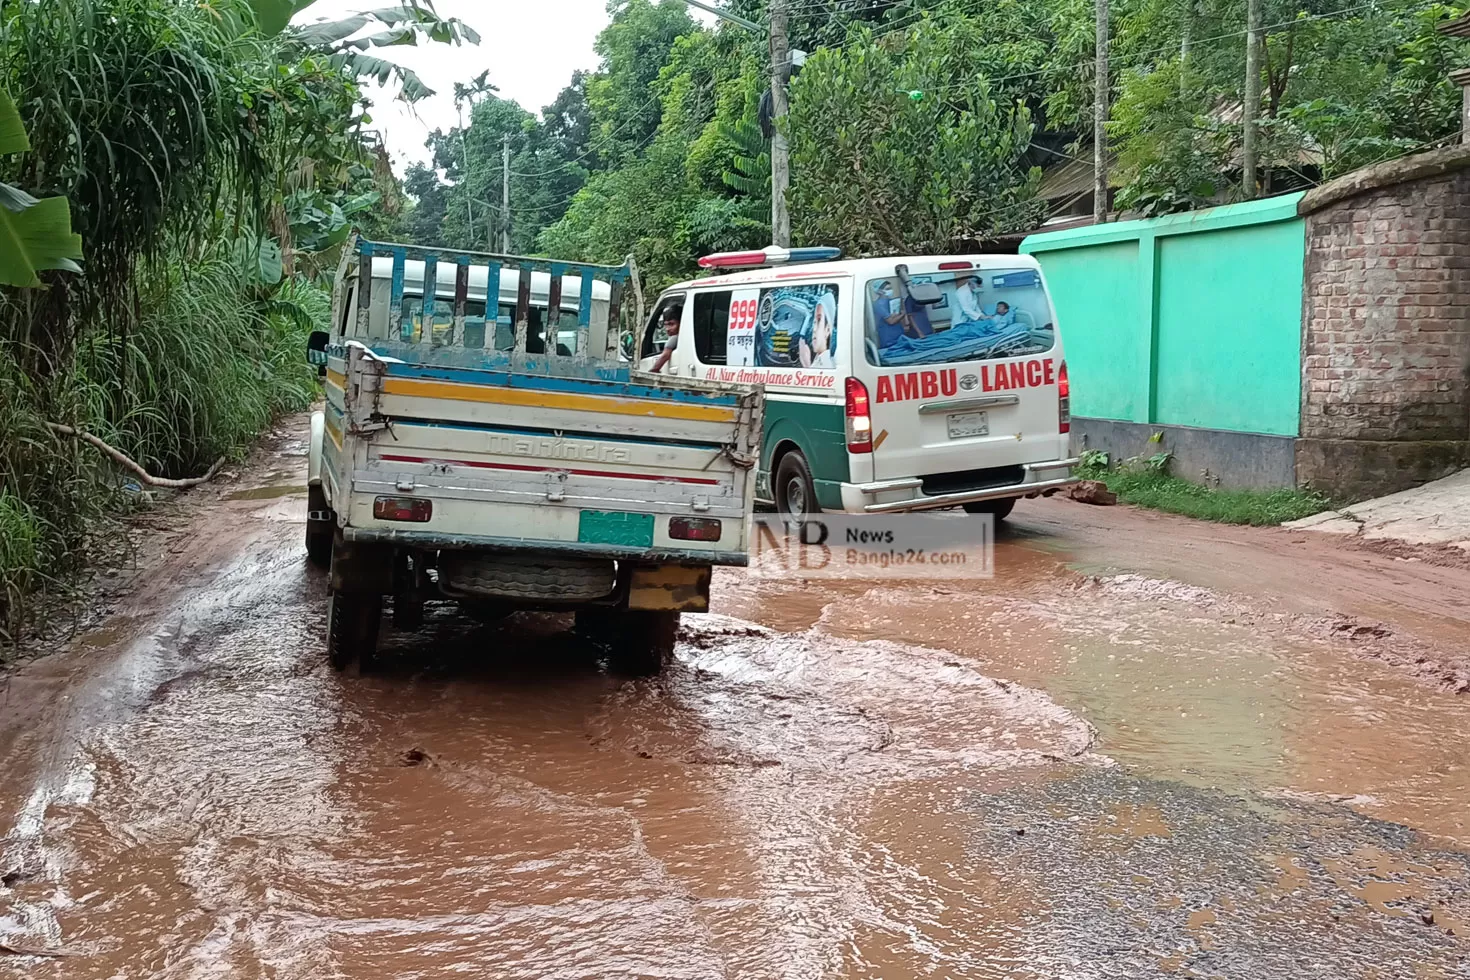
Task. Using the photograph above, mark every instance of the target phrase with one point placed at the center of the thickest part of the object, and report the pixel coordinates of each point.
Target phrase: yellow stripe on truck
(550, 399)
(337, 378)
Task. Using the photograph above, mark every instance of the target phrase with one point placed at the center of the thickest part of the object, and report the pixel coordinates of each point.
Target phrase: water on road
(1049, 774)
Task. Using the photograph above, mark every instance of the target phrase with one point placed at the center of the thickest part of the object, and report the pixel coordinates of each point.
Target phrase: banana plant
(402, 24)
(35, 235)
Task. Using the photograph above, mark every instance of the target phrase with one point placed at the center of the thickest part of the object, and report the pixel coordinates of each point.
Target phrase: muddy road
(1145, 748)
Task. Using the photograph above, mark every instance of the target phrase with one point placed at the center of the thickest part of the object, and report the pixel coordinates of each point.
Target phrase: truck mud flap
(358, 567)
(684, 588)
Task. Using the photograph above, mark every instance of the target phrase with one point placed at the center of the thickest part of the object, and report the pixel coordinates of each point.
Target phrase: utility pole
(464, 156)
(1252, 107)
(505, 194)
(781, 60)
(1186, 29)
(1100, 119)
(780, 155)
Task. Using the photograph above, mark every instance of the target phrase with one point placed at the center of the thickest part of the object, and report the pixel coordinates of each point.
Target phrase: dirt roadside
(169, 543)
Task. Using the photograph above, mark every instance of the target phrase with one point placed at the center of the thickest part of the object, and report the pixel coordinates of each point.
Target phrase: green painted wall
(1191, 319)
(1079, 292)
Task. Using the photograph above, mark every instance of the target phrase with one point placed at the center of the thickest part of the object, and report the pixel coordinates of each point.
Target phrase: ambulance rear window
(984, 314)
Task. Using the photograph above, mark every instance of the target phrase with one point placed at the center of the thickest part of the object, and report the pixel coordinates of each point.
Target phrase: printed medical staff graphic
(784, 327)
(983, 314)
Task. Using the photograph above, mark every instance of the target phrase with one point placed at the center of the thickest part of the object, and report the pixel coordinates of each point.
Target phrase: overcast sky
(531, 48)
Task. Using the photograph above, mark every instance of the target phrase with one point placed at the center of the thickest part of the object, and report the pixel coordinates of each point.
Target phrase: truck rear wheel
(318, 532)
(353, 620)
(642, 641)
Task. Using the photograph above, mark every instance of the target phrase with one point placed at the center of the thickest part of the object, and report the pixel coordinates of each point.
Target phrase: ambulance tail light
(859, 418)
(1064, 400)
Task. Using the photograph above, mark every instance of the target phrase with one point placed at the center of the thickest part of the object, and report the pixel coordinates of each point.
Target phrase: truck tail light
(1064, 400)
(694, 528)
(414, 509)
(859, 419)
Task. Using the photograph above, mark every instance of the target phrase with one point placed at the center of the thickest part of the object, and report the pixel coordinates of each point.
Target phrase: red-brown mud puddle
(494, 803)
(1178, 680)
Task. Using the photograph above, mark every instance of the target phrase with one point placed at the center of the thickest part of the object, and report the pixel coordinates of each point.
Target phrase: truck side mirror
(316, 348)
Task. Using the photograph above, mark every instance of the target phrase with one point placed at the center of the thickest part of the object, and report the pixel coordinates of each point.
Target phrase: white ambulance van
(892, 384)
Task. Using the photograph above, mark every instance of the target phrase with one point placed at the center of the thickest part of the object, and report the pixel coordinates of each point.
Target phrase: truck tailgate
(605, 464)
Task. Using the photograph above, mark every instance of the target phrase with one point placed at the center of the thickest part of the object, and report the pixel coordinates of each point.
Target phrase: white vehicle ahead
(892, 384)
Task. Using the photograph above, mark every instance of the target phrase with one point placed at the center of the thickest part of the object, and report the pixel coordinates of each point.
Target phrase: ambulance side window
(711, 323)
(654, 334)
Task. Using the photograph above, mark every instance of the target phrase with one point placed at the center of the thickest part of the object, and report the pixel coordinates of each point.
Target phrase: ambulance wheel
(1001, 508)
(796, 496)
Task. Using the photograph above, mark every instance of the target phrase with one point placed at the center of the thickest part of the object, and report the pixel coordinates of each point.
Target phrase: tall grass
(215, 362)
(210, 365)
(138, 113)
(146, 115)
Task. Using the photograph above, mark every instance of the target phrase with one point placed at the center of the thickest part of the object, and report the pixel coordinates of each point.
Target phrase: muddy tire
(1001, 509)
(796, 495)
(318, 535)
(642, 642)
(352, 629)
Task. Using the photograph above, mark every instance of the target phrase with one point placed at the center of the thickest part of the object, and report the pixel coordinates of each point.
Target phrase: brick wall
(1386, 335)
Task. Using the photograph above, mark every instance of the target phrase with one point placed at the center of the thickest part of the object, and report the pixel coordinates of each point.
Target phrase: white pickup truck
(483, 442)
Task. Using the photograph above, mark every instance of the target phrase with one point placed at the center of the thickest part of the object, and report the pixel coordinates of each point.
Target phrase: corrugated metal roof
(1070, 179)
(1459, 27)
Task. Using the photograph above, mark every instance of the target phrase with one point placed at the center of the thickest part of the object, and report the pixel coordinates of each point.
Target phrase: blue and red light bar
(769, 256)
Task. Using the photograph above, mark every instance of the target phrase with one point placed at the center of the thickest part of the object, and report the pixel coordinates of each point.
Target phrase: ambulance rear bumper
(896, 496)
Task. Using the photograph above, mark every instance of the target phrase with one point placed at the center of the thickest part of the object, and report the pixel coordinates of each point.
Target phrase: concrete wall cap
(1417, 166)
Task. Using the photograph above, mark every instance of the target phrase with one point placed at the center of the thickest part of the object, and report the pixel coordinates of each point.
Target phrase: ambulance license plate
(966, 424)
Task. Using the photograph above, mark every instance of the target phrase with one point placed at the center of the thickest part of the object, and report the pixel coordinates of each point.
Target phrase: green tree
(634, 48)
(424, 224)
(901, 148)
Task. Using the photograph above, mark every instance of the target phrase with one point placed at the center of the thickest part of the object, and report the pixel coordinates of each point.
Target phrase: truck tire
(318, 535)
(353, 620)
(526, 577)
(796, 495)
(1000, 508)
(642, 643)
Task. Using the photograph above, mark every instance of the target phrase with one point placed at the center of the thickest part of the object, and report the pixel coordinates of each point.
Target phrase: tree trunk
(780, 155)
(1100, 119)
(1252, 107)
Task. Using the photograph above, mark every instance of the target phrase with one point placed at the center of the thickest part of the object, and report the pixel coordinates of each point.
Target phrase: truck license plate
(965, 424)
